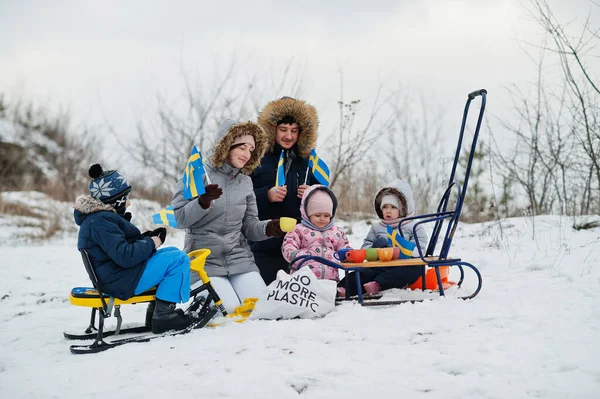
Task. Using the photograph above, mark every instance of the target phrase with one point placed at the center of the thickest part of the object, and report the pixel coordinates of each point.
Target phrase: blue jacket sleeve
(111, 238)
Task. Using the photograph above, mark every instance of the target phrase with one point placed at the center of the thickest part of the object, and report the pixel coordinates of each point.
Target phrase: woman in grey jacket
(226, 216)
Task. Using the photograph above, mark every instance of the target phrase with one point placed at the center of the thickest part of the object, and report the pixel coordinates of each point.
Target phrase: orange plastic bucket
(431, 279)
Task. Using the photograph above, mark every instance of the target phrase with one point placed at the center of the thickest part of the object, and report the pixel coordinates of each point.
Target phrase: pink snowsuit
(304, 240)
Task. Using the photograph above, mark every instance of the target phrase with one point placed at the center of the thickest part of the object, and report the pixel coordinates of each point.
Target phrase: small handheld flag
(280, 179)
(166, 217)
(319, 168)
(193, 186)
(396, 240)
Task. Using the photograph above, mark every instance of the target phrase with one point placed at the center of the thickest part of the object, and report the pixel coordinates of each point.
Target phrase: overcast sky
(106, 60)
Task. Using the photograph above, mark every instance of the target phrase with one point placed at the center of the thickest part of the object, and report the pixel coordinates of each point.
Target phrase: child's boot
(372, 288)
(166, 318)
(150, 313)
(341, 292)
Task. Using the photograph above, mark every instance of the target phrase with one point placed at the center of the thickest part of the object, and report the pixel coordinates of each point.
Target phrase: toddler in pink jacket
(317, 234)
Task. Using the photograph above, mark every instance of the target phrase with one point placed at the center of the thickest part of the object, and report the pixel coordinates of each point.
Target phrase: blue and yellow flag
(166, 217)
(396, 240)
(280, 179)
(193, 185)
(319, 168)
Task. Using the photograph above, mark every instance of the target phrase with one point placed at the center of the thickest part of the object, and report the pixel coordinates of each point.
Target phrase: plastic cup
(385, 254)
(356, 256)
(372, 254)
(287, 224)
(340, 255)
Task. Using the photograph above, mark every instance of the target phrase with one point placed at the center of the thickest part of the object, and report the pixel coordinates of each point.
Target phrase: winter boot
(166, 318)
(372, 288)
(341, 292)
(150, 313)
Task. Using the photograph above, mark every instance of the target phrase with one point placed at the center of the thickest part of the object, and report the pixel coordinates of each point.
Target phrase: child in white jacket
(392, 203)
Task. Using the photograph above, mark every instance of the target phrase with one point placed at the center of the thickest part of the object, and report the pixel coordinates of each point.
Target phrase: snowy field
(533, 331)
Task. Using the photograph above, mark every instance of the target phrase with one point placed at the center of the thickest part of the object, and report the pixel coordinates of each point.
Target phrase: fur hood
(227, 132)
(402, 190)
(86, 204)
(304, 113)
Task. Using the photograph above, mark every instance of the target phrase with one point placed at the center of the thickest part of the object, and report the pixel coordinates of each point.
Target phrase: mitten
(273, 229)
(213, 191)
(161, 233)
(381, 242)
(127, 216)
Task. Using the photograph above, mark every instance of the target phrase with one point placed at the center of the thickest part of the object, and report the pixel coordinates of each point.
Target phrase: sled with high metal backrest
(206, 305)
(446, 220)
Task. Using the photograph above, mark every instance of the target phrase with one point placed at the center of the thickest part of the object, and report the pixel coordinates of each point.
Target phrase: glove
(273, 229)
(127, 216)
(161, 233)
(380, 242)
(213, 191)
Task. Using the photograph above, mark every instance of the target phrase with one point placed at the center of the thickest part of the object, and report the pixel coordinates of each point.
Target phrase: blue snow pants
(169, 269)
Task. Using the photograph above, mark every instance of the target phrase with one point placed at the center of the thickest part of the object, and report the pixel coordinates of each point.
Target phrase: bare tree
(356, 193)
(581, 100)
(415, 149)
(163, 147)
(542, 152)
(48, 154)
(351, 143)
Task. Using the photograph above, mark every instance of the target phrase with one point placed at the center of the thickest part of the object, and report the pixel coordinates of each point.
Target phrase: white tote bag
(299, 295)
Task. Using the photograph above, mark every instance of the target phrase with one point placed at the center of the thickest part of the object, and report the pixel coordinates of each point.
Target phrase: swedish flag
(319, 168)
(166, 217)
(280, 179)
(193, 185)
(396, 240)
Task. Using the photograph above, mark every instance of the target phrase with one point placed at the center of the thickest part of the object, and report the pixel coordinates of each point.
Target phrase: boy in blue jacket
(126, 262)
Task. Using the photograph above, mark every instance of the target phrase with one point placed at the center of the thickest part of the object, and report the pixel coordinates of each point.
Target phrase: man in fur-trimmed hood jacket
(291, 126)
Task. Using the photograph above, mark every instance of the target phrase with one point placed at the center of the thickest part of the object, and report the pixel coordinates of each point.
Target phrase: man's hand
(277, 194)
(301, 190)
(213, 191)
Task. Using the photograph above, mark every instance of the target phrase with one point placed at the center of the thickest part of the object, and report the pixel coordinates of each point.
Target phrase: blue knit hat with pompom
(110, 187)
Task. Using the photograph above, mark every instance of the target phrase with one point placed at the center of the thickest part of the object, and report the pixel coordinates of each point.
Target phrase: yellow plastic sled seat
(91, 298)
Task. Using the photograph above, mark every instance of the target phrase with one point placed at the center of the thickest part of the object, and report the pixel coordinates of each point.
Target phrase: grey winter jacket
(229, 221)
(402, 190)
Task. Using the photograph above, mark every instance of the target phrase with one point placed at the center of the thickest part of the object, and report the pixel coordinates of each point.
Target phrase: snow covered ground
(533, 331)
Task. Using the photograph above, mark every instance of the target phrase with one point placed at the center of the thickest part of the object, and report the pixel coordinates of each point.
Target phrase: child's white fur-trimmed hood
(400, 189)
